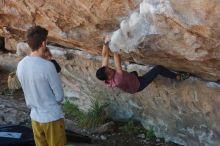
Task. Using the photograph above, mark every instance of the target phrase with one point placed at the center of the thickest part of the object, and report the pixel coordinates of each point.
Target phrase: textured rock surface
(184, 32)
(184, 112)
(71, 23)
(186, 38)
(13, 112)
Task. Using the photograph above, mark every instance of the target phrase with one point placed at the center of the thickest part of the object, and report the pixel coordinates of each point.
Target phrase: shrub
(130, 128)
(7, 92)
(149, 134)
(94, 117)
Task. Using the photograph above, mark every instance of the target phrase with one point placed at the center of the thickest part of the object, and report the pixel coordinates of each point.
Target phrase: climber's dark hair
(35, 36)
(101, 74)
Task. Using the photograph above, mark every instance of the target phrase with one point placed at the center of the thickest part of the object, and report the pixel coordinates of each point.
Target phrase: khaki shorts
(49, 134)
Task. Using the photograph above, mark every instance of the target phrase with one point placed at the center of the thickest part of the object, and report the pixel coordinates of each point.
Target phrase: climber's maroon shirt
(126, 81)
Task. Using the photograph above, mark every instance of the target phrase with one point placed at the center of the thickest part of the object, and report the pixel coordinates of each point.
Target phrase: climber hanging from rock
(130, 81)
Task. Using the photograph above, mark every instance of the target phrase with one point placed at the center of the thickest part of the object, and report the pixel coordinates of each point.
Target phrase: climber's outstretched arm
(117, 60)
(105, 55)
(105, 50)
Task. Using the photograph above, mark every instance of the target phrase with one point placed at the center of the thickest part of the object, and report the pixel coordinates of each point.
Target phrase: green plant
(91, 119)
(130, 128)
(7, 92)
(95, 116)
(149, 134)
(70, 108)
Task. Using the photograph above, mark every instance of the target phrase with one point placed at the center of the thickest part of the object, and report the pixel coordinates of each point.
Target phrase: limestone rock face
(73, 23)
(181, 35)
(184, 112)
(184, 32)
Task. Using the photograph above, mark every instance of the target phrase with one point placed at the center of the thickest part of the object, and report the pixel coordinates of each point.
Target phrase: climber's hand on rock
(107, 39)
